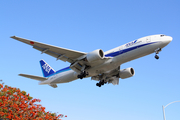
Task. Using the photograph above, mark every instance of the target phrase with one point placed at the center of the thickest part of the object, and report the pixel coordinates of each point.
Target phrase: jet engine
(95, 55)
(126, 73)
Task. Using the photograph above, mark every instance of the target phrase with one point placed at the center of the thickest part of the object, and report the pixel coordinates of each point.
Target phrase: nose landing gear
(157, 57)
(157, 52)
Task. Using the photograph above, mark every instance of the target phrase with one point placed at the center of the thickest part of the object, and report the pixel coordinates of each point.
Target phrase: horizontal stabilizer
(34, 77)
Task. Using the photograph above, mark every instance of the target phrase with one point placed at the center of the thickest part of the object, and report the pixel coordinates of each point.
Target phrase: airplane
(103, 67)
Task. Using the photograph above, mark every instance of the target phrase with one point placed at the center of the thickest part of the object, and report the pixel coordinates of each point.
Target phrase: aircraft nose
(167, 40)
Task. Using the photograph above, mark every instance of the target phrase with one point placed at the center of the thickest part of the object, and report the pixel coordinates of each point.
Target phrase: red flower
(1, 86)
(16, 104)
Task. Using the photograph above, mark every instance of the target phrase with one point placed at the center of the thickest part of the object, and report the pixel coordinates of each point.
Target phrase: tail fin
(46, 69)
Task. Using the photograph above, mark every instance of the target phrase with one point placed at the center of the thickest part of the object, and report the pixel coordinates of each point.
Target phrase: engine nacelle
(126, 73)
(95, 55)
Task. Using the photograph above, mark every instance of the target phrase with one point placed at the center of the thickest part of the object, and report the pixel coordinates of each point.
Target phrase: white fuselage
(117, 56)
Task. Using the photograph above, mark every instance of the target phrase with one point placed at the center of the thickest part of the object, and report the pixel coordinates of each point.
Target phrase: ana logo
(46, 68)
(135, 41)
(131, 43)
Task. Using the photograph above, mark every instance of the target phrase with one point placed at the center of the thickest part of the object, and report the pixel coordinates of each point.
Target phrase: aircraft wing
(33, 77)
(57, 52)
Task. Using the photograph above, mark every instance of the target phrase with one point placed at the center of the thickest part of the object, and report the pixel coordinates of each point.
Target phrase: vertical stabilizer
(47, 70)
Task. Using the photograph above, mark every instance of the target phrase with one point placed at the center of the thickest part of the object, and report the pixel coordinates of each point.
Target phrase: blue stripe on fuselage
(64, 70)
(114, 54)
(60, 71)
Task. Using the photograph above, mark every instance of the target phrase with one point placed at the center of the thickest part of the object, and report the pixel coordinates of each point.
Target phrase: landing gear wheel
(97, 84)
(82, 75)
(157, 57)
(100, 83)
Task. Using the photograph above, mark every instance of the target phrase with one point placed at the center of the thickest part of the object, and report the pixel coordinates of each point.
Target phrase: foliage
(17, 104)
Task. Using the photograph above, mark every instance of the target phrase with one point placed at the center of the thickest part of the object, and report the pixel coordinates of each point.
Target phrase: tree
(17, 104)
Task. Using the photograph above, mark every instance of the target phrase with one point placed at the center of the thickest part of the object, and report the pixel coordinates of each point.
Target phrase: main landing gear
(157, 52)
(101, 82)
(82, 75)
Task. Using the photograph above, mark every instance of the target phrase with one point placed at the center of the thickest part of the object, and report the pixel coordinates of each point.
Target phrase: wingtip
(13, 36)
(20, 74)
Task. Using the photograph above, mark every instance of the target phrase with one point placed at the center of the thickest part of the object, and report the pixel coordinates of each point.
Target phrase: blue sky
(86, 26)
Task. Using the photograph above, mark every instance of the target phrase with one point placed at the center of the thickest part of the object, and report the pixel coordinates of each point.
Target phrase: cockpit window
(162, 35)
